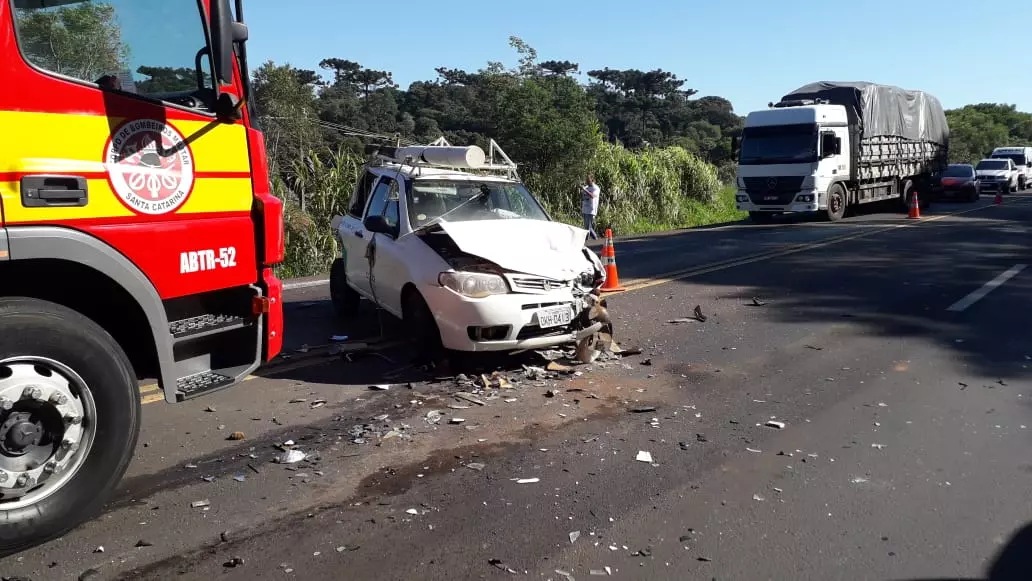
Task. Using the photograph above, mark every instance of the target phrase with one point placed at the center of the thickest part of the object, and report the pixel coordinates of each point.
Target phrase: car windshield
(991, 164)
(779, 144)
(469, 200)
(959, 171)
(1017, 158)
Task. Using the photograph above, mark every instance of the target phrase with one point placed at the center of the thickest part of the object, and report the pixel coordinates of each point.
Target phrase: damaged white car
(452, 242)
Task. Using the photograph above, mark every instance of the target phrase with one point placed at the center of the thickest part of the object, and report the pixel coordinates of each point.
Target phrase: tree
(560, 68)
(168, 80)
(83, 40)
(975, 130)
(288, 112)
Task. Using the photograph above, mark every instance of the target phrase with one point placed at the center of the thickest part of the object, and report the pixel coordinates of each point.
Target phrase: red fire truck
(137, 238)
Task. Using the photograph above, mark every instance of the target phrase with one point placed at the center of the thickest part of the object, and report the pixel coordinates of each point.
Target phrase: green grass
(694, 213)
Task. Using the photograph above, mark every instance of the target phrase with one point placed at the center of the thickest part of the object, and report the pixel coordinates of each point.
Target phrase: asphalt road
(903, 453)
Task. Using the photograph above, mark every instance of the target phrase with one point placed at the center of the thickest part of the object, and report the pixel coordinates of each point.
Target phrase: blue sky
(750, 51)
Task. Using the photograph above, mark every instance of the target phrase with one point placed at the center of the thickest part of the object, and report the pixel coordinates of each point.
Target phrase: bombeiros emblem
(150, 166)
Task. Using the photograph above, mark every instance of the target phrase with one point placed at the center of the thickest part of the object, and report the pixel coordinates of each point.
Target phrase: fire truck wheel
(69, 420)
(345, 299)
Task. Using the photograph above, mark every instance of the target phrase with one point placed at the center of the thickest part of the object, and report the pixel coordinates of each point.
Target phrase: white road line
(305, 284)
(985, 289)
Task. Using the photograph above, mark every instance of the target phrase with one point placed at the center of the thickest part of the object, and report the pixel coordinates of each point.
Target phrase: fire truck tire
(345, 299)
(69, 405)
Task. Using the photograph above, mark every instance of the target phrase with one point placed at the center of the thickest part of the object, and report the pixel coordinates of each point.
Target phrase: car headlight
(475, 285)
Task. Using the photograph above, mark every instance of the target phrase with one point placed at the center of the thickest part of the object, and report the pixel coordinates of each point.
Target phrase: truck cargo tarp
(883, 110)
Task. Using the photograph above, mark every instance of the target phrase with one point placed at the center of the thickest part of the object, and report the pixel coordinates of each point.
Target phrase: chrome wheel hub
(47, 426)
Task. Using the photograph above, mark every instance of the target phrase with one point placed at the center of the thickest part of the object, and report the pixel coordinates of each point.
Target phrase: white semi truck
(828, 146)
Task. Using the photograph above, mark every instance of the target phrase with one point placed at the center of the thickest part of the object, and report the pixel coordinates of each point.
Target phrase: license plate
(554, 317)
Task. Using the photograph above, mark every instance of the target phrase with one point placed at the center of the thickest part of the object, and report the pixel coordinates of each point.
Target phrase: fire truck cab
(138, 236)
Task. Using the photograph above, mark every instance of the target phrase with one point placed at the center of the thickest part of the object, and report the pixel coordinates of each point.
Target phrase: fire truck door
(117, 136)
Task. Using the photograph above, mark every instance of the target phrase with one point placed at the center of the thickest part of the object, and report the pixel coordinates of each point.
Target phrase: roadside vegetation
(661, 154)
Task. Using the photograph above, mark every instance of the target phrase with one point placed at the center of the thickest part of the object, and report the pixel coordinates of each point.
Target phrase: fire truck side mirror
(224, 33)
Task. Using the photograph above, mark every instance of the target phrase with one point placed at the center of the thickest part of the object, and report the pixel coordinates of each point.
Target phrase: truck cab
(789, 157)
(1022, 159)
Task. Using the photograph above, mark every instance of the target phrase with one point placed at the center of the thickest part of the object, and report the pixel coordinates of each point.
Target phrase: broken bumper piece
(511, 322)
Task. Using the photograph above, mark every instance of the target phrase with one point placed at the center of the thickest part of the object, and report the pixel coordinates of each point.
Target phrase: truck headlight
(475, 285)
(804, 198)
(742, 197)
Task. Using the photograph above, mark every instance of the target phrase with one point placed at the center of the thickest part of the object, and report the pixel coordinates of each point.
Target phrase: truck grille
(773, 190)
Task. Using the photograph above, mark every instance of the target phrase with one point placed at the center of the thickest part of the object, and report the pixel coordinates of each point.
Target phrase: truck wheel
(906, 192)
(345, 299)
(69, 420)
(836, 203)
(762, 217)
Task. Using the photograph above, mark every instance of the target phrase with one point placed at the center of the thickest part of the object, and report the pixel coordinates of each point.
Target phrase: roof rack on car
(440, 154)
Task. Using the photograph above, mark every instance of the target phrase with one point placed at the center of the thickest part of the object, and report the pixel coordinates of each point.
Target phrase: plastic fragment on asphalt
(433, 417)
(143, 543)
(317, 403)
(194, 504)
(498, 564)
(191, 466)
(565, 575)
(291, 457)
(858, 480)
(469, 397)
(527, 480)
(234, 562)
(682, 321)
(754, 450)
(208, 478)
(643, 409)
(240, 478)
(775, 424)
(574, 535)
(475, 466)
(878, 446)
(380, 387)
(236, 436)
(644, 456)
(209, 409)
(456, 421)
(758, 498)
(412, 511)
(99, 549)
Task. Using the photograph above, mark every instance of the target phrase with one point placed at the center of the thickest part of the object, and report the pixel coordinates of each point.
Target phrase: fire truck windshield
(152, 48)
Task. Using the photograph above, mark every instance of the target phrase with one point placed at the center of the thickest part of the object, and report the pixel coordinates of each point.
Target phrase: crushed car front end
(481, 305)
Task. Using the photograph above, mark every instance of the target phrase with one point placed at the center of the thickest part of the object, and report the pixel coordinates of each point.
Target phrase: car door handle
(39, 191)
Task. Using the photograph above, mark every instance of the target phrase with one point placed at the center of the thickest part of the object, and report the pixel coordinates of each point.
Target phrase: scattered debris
(99, 549)
(143, 543)
(558, 368)
(412, 511)
(758, 498)
(433, 417)
(208, 478)
(380, 387)
(469, 397)
(475, 466)
(317, 403)
(858, 480)
(89, 575)
(457, 421)
(644, 456)
(775, 424)
(194, 504)
(757, 302)
(754, 450)
(234, 562)
(1001, 382)
(291, 457)
(209, 409)
(698, 314)
(600, 572)
(682, 321)
(815, 348)
(236, 436)
(240, 478)
(701, 438)
(527, 480)
(643, 409)
(565, 575)
(646, 362)
(704, 559)
(683, 445)
(498, 564)
(878, 446)
(574, 535)
(646, 552)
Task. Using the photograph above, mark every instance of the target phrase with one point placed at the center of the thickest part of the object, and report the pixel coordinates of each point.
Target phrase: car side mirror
(378, 225)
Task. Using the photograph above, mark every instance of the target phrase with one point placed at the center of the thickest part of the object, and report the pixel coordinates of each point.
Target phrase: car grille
(535, 284)
(773, 190)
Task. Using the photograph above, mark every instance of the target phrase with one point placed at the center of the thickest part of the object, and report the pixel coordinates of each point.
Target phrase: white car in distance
(451, 242)
(999, 175)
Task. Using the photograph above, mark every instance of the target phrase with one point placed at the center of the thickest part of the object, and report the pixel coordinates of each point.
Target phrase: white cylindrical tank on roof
(468, 157)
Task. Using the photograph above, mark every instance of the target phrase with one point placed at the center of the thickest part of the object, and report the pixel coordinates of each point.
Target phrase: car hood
(547, 249)
(992, 172)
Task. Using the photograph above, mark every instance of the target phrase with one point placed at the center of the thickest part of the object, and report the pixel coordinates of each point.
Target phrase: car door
(387, 257)
(353, 236)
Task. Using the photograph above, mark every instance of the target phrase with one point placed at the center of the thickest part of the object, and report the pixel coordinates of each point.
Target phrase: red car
(959, 182)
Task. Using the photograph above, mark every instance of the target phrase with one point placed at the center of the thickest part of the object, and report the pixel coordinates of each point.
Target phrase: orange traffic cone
(915, 207)
(612, 283)
(999, 198)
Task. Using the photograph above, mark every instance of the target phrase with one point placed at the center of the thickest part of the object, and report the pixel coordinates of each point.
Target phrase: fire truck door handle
(359, 234)
(53, 190)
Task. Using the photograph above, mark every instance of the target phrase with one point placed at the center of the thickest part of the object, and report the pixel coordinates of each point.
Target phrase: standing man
(589, 205)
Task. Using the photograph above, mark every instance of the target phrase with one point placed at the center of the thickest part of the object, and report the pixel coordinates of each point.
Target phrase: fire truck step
(204, 325)
(193, 385)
